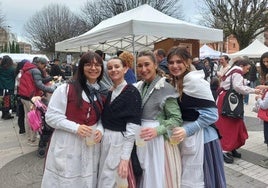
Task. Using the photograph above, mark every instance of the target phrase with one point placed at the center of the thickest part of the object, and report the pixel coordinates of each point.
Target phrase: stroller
(36, 119)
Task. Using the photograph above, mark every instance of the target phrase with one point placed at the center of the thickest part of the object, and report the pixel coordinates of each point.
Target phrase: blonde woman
(128, 58)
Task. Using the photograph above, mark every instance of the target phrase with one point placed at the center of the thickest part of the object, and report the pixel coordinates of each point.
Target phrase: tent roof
(138, 28)
(206, 51)
(254, 50)
(17, 57)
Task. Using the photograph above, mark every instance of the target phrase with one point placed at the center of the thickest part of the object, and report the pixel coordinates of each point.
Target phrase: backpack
(27, 88)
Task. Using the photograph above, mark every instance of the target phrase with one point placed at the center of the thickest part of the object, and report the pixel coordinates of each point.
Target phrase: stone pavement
(21, 168)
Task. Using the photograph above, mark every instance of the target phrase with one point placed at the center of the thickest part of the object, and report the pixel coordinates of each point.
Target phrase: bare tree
(52, 24)
(2, 18)
(244, 19)
(96, 11)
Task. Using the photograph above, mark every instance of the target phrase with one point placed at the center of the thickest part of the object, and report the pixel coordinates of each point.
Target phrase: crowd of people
(20, 82)
(106, 100)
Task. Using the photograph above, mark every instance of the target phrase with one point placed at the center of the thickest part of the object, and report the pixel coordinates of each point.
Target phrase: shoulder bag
(233, 105)
(263, 114)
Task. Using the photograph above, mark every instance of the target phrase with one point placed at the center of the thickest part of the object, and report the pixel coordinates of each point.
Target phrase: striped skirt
(213, 165)
(172, 166)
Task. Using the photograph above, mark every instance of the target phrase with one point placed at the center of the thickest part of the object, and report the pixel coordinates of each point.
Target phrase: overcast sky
(18, 12)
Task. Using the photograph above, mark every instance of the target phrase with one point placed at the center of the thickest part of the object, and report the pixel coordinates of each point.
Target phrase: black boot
(227, 158)
(236, 154)
(6, 115)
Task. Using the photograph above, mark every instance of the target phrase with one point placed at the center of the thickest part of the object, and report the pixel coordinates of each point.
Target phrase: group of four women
(154, 104)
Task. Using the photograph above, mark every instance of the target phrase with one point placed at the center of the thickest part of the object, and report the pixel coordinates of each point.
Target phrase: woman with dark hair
(74, 111)
(20, 109)
(201, 156)
(224, 66)
(7, 85)
(261, 100)
(264, 68)
(233, 131)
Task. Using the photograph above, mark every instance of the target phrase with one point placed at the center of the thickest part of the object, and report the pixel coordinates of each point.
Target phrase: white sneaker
(35, 143)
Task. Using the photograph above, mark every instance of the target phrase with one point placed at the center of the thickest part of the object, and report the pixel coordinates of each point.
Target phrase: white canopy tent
(206, 51)
(254, 50)
(135, 30)
(17, 57)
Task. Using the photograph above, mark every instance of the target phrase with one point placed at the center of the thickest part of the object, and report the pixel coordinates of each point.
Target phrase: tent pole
(135, 59)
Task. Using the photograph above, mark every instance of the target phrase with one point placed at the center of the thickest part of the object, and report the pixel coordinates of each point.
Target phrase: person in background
(233, 131)
(202, 161)
(251, 77)
(159, 160)
(263, 101)
(119, 52)
(208, 68)
(202, 65)
(160, 55)
(20, 109)
(198, 64)
(224, 66)
(258, 67)
(263, 69)
(73, 110)
(7, 86)
(121, 116)
(32, 83)
(55, 69)
(66, 69)
(106, 80)
(129, 59)
(75, 64)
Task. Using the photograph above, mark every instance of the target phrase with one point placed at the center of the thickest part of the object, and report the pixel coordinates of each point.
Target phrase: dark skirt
(213, 165)
(265, 131)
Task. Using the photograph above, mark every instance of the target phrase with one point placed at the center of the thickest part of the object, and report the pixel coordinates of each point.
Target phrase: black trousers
(20, 114)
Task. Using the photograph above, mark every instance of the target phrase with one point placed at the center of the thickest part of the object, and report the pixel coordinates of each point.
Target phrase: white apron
(111, 151)
(70, 162)
(152, 160)
(192, 157)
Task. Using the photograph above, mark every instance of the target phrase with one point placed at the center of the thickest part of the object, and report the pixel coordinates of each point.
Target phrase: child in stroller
(36, 118)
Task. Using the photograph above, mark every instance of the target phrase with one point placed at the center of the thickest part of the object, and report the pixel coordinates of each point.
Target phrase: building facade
(7, 37)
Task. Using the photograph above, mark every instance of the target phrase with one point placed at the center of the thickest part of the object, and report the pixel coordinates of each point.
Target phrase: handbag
(263, 114)
(233, 105)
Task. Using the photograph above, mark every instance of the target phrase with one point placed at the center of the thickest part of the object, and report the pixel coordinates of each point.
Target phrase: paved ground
(21, 168)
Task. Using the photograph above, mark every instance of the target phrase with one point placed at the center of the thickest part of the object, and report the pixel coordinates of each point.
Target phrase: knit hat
(42, 60)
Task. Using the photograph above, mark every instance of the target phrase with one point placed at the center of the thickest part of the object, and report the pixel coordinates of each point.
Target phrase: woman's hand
(261, 87)
(123, 168)
(84, 130)
(148, 133)
(179, 133)
(258, 91)
(98, 136)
